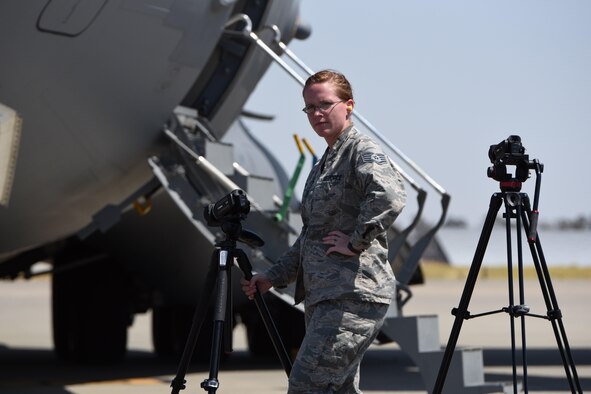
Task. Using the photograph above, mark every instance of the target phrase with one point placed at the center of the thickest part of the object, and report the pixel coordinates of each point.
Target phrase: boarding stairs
(418, 337)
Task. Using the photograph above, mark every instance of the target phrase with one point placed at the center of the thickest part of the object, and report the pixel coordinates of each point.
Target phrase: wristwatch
(352, 249)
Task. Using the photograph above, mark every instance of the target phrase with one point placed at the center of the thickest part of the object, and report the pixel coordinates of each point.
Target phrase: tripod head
(511, 152)
(234, 232)
(227, 213)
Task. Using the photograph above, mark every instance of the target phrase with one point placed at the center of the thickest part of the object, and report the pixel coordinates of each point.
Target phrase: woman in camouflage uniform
(339, 261)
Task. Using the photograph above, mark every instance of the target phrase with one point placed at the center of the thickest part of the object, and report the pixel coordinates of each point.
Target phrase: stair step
(259, 188)
(418, 336)
(418, 333)
(221, 155)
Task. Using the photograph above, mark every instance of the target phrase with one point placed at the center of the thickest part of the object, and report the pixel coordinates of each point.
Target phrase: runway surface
(28, 365)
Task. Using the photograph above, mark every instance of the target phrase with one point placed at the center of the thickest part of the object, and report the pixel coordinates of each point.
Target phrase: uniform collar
(344, 136)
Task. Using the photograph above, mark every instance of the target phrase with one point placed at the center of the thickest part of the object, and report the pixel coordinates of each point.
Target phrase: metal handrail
(357, 115)
(247, 31)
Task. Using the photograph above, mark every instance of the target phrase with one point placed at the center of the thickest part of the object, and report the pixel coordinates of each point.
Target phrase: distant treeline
(579, 223)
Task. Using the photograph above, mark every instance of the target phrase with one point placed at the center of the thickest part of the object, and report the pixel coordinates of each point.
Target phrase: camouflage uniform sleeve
(285, 270)
(383, 191)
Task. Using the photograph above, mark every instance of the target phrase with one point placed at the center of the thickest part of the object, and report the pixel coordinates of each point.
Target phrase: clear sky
(443, 80)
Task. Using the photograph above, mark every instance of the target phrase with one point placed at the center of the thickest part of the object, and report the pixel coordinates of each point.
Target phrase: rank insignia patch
(378, 158)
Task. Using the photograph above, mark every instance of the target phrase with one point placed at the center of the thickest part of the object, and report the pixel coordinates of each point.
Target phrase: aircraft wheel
(170, 330)
(288, 320)
(90, 313)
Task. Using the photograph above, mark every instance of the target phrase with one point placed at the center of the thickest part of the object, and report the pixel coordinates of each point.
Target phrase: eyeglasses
(322, 107)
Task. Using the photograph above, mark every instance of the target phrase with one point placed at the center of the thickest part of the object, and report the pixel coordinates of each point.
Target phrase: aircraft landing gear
(90, 309)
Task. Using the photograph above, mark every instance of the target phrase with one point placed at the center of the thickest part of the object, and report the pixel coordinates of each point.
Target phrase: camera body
(233, 207)
(509, 152)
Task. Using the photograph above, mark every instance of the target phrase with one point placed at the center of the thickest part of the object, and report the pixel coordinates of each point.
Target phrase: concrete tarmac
(28, 365)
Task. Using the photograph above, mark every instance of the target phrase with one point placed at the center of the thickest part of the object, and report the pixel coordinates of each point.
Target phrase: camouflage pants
(338, 332)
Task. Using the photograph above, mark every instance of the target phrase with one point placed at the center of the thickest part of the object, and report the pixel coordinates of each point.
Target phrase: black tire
(90, 312)
(288, 321)
(170, 330)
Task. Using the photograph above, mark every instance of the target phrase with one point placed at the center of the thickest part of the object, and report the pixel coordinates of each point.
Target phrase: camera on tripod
(233, 207)
(509, 152)
(227, 213)
(517, 208)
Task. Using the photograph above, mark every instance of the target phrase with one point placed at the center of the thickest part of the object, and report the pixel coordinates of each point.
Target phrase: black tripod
(219, 274)
(516, 207)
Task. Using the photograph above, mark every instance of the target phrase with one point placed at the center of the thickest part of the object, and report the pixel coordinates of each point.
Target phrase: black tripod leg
(178, 383)
(461, 312)
(518, 205)
(211, 384)
(246, 268)
(228, 341)
(553, 311)
(513, 203)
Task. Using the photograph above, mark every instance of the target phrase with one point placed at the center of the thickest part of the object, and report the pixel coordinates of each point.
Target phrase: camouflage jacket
(354, 189)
